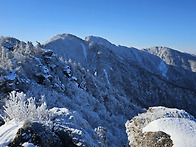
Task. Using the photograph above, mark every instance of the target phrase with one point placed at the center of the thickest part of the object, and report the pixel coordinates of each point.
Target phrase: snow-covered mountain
(91, 87)
(173, 65)
(127, 69)
(182, 65)
(175, 58)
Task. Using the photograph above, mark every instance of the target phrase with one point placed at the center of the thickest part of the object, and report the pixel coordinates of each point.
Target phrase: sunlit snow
(27, 144)
(182, 131)
(84, 50)
(8, 132)
(106, 76)
(163, 68)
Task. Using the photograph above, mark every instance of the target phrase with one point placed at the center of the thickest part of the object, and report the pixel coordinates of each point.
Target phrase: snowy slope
(182, 66)
(8, 132)
(132, 54)
(68, 46)
(163, 68)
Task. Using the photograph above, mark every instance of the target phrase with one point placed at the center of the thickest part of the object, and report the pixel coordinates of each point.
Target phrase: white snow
(137, 56)
(101, 41)
(84, 51)
(106, 76)
(182, 131)
(27, 144)
(193, 65)
(163, 68)
(8, 132)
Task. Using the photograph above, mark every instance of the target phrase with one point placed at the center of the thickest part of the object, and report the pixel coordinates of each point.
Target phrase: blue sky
(138, 23)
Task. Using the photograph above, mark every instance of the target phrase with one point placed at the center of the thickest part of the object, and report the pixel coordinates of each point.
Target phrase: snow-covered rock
(174, 122)
(181, 130)
(72, 125)
(27, 144)
(37, 134)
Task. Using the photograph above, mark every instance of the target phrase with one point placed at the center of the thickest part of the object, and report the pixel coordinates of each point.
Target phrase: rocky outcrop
(64, 129)
(134, 127)
(36, 133)
(73, 130)
(65, 137)
(156, 139)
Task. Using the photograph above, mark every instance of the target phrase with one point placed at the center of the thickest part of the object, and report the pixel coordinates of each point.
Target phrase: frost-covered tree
(5, 58)
(20, 48)
(20, 108)
(29, 48)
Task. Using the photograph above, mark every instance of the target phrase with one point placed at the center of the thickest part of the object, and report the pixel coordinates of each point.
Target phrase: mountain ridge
(151, 62)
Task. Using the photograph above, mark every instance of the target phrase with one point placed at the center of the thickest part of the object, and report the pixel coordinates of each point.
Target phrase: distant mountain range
(103, 84)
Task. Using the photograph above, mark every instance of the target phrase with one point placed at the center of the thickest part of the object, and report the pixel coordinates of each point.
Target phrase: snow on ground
(106, 76)
(27, 144)
(8, 132)
(163, 68)
(182, 131)
(84, 50)
(137, 56)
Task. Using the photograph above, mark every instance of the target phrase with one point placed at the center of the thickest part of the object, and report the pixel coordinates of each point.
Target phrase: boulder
(134, 127)
(36, 133)
(156, 139)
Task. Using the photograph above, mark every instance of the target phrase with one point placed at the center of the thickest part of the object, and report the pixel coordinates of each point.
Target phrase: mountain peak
(99, 40)
(64, 36)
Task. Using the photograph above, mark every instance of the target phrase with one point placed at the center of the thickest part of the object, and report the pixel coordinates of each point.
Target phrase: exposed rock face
(73, 130)
(156, 139)
(65, 129)
(36, 133)
(134, 127)
(65, 137)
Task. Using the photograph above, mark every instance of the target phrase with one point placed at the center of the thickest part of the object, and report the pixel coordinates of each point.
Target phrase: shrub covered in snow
(20, 108)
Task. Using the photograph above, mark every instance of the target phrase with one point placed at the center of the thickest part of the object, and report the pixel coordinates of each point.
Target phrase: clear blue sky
(138, 23)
